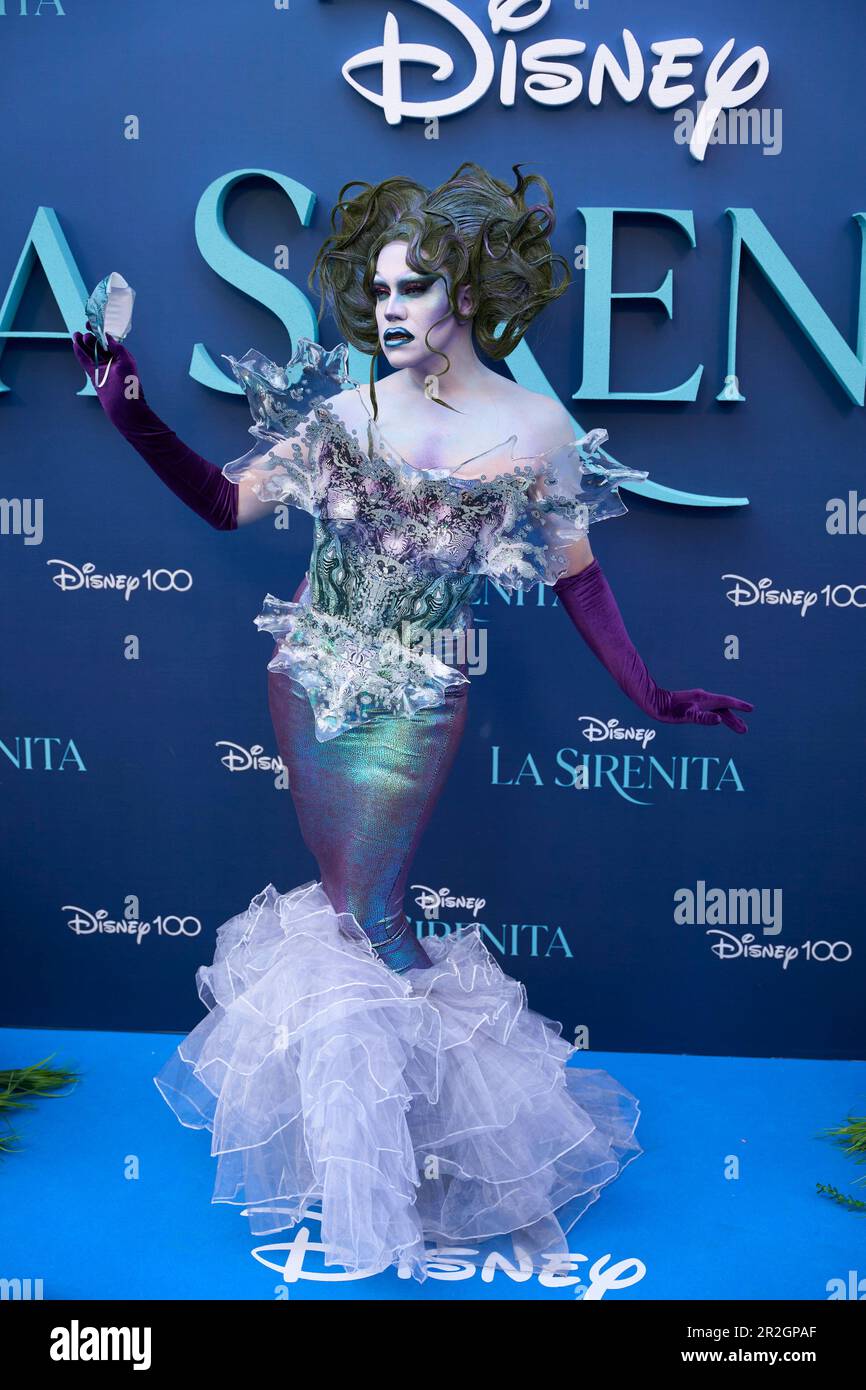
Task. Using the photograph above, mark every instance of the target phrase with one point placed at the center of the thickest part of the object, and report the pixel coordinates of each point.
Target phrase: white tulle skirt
(407, 1112)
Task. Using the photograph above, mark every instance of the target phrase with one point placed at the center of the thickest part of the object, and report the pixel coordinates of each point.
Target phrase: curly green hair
(473, 227)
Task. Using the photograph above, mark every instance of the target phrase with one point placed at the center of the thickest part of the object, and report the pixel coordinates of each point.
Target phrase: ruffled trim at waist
(350, 675)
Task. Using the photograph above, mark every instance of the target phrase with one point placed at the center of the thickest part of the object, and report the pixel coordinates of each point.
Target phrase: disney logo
(729, 947)
(430, 900)
(746, 592)
(597, 730)
(71, 577)
(550, 80)
(452, 1264)
(240, 759)
(84, 923)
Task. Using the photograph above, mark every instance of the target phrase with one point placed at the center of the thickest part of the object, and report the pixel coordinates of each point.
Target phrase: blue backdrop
(132, 790)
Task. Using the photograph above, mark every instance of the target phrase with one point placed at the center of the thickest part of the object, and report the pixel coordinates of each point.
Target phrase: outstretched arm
(197, 482)
(588, 600)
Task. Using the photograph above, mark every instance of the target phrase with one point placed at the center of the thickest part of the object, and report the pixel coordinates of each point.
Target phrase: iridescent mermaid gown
(401, 1093)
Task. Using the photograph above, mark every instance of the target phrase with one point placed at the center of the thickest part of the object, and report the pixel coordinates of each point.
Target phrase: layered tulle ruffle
(408, 1111)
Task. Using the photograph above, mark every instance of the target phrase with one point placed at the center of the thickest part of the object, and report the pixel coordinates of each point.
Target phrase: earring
(429, 394)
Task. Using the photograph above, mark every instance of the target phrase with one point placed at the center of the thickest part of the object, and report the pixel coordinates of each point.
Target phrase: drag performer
(399, 1089)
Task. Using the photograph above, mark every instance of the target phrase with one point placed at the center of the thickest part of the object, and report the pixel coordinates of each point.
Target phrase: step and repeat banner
(658, 888)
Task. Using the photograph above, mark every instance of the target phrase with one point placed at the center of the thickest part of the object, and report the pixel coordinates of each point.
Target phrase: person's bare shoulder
(544, 422)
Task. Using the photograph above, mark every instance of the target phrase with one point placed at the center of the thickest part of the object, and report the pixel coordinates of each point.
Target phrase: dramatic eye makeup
(411, 285)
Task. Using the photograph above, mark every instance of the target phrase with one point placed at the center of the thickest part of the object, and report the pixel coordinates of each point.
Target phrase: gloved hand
(200, 484)
(121, 376)
(589, 602)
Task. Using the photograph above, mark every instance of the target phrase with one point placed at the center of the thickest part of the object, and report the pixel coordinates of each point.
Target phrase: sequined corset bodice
(399, 551)
(354, 576)
(397, 556)
(399, 548)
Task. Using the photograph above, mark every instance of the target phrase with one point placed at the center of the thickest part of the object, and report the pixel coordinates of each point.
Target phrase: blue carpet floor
(110, 1195)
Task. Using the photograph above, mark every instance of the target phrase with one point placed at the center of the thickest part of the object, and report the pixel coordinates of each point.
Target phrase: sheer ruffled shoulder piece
(569, 489)
(287, 427)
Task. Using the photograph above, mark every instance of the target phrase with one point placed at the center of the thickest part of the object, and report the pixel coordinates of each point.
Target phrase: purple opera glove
(589, 602)
(198, 483)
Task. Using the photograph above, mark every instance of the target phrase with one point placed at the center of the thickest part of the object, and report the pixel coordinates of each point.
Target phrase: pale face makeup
(407, 305)
(484, 408)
